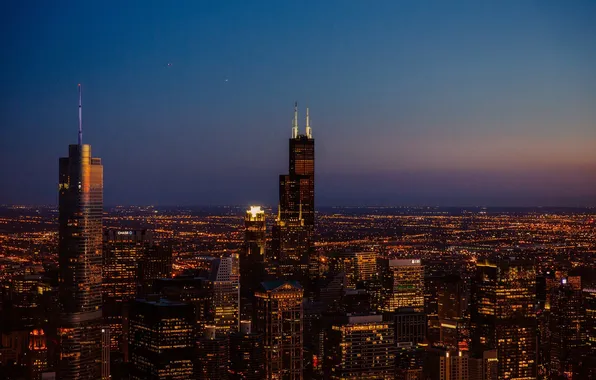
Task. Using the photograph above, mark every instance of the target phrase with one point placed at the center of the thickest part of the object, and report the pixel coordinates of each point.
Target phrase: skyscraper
(294, 227)
(279, 318)
(504, 316)
(226, 294)
(404, 283)
(360, 347)
(568, 338)
(246, 354)
(252, 257)
(122, 252)
(162, 339)
(79, 256)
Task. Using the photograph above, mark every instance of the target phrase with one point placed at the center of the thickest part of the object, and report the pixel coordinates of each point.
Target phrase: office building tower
(279, 318)
(504, 316)
(360, 347)
(161, 339)
(105, 353)
(452, 312)
(37, 356)
(213, 355)
(358, 267)
(294, 227)
(568, 339)
(156, 264)
(409, 325)
(252, 257)
(80, 261)
(247, 357)
(484, 367)
(197, 291)
(122, 252)
(403, 281)
(226, 293)
(589, 296)
(445, 364)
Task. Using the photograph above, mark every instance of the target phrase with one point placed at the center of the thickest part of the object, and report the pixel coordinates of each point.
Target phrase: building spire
(80, 117)
(295, 121)
(308, 128)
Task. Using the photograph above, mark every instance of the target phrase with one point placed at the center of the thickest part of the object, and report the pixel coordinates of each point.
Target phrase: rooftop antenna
(295, 121)
(308, 128)
(80, 117)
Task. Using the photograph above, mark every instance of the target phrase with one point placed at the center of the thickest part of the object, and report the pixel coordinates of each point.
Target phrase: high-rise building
(360, 347)
(226, 293)
(445, 364)
(452, 312)
(404, 283)
(156, 264)
(410, 327)
(568, 339)
(484, 367)
(294, 227)
(589, 296)
(247, 358)
(252, 257)
(122, 252)
(213, 355)
(37, 362)
(80, 261)
(504, 316)
(161, 339)
(279, 318)
(358, 267)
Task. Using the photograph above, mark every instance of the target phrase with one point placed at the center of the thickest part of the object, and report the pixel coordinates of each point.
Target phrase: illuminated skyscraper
(504, 316)
(358, 267)
(452, 312)
(80, 261)
(226, 294)
(213, 355)
(360, 347)
(404, 283)
(162, 340)
(252, 257)
(279, 318)
(294, 228)
(122, 252)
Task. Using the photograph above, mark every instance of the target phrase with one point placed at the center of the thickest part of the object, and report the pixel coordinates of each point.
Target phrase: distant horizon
(363, 206)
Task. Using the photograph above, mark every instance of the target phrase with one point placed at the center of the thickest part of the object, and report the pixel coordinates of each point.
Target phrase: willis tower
(294, 228)
(80, 260)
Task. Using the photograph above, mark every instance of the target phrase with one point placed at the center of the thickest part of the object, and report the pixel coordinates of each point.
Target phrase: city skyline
(486, 105)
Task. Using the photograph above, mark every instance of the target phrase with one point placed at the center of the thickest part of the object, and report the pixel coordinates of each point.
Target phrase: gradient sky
(411, 102)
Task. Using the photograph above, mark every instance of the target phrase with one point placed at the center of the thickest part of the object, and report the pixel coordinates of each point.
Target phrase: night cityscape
(196, 231)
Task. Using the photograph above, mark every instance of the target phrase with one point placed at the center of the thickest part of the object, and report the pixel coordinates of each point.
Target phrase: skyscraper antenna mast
(295, 121)
(80, 117)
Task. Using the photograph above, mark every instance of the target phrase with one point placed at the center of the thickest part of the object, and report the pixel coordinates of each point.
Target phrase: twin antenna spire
(295, 123)
(80, 117)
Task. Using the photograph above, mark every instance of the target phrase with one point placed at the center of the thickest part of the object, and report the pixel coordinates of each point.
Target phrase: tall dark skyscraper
(123, 250)
(504, 316)
(80, 255)
(252, 257)
(294, 227)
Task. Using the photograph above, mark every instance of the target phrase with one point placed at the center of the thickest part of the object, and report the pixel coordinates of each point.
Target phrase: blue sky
(412, 102)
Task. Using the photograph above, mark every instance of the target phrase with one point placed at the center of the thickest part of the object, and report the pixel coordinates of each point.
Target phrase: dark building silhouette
(252, 257)
(123, 250)
(213, 355)
(568, 338)
(247, 355)
(80, 262)
(161, 339)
